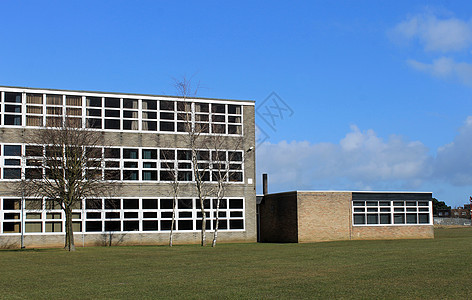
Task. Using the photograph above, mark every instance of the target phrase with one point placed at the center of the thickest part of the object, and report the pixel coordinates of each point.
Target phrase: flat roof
(247, 102)
(344, 191)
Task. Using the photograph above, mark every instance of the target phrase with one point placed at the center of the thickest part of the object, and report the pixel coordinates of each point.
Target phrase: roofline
(249, 102)
(343, 191)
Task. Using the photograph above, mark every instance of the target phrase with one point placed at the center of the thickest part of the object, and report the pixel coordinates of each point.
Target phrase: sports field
(402, 269)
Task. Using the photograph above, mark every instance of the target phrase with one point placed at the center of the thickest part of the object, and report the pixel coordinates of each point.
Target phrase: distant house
(312, 216)
(461, 212)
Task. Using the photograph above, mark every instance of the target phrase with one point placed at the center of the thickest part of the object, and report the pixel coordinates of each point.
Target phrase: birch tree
(222, 172)
(195, 141)
(172, 177)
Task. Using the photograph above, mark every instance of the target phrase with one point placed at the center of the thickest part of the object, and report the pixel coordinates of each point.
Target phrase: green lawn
(439, 268)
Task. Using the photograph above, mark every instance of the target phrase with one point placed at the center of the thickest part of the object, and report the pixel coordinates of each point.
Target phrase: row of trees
(72, 171)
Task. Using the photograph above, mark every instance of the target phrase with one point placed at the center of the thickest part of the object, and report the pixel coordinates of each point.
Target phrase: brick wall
(323, 216)
(278, 218)
(392, 232)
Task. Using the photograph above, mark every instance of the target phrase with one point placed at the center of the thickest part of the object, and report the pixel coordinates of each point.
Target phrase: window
(128, 214)
(390, 212)
(12, 115)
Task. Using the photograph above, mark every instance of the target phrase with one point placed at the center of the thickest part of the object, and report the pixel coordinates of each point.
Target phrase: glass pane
(423, 218)
(411, 218)
(385, 219)
(399, 218)
(372, 219)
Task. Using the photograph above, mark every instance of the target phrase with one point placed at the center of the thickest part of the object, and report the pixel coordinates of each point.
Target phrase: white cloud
(438, 34)
(445, 67)
(362, 160)
(454, 160)
(435, 34)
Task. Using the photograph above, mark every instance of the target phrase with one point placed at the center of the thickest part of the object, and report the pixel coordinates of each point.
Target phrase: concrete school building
(141, 139)
(313, 216)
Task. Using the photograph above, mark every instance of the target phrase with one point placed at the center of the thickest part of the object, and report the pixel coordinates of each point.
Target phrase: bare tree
(222, 171)
(70, 169)
(195, 141)
(172, 176)
(210, 160)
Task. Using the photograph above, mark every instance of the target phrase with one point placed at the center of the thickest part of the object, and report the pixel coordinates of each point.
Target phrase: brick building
(137, 130)
(310, 216)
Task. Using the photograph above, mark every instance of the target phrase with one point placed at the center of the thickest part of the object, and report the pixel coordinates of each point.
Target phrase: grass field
(429, 269)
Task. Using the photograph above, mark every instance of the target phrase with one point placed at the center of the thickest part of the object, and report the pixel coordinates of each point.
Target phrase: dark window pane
(33, 150)
(130, 175)
(218, 108)
(166, 105)
(166, 126)
(13, 108)
(93, 203)
(150, 215)
(11, 173)
(149, 154)
(166, 224)
(150, 104)
(112, 153)
(112, 102)
(112, 215)
(130, 153)
(131, 225)
(372, 219)
(166, 203)
(411, 219)
(130, 203)
(112, 175)
(112, 203)
(385, 219)
(399, 218)
(12, 150)
(13, 97)
(185, 225)
(236, 203)
(166, 214)
(184, 155)
(112, 113)
(185, 176)
(359, 219)
(112, 226)
(236, 224)
(150, 225)
(12, 162)
(206, 204)
(94, 215)
(33, 173)
(94, 101)
(149, 203)
(12, 120)
(423, 218)
(91, 226)
(112, 124)
(150, 175)
(185, 203)
(130, 215)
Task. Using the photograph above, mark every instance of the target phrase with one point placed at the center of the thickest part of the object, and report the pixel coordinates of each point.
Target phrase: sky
(350, 95)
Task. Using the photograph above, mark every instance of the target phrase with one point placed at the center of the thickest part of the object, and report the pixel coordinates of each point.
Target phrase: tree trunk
(217, 221)
(69, 244)
(203, 223)
(171, 236)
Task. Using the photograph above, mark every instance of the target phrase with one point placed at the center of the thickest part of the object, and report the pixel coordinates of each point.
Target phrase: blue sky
(380, 90)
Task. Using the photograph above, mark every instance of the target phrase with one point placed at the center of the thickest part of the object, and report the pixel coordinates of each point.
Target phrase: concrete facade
(328, 216)
(141, 189)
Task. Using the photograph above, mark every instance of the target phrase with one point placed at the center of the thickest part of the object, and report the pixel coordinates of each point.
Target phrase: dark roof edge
(117, 93)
